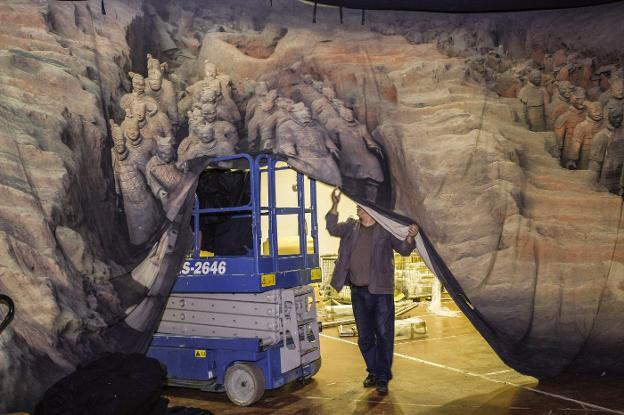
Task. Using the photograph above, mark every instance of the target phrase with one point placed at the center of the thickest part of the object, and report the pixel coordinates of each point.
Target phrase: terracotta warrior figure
(567, 122)
(579, 150)
(138, 93)
(162, 90)
(203, 144)
(209, 96)
(616, 96)
(323, 109)
(162, 173)
(262, 127)
(560, 103)
(152, 122)
(607, 153)
(359, 162)
(307, 146)
(143, 215)
(221, 84)
(534, 98)
(141, 150)
(225, 133)
(196, 121)
(260, 92)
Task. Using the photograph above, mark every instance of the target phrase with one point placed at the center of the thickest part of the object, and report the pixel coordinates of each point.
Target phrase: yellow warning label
(267, 280)
(200, 354)
(315, 274)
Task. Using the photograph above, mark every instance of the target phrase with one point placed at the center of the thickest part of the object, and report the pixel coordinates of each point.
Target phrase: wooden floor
(451, 370)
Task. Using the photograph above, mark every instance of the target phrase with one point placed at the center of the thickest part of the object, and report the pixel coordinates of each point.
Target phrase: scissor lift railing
(257, 272)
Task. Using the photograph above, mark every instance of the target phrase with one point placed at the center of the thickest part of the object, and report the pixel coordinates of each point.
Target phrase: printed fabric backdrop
(500, 135)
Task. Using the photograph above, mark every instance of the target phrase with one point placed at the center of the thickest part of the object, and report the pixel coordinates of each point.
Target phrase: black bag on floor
(115, 384)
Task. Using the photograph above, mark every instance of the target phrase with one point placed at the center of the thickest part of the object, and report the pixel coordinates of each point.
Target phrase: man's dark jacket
(382, 263)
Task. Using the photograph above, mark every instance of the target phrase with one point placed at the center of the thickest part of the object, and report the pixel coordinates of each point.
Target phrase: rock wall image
(534, 248)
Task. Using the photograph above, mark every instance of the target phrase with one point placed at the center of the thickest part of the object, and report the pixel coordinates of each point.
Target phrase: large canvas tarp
(429, 119)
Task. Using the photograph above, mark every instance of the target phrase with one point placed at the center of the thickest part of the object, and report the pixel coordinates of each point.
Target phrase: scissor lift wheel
(244, 383)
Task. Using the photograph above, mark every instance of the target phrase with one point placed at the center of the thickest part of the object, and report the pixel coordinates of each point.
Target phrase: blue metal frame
(193, 358)
(256, 272)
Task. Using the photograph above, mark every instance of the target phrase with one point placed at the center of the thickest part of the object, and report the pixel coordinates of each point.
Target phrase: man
(366, 263)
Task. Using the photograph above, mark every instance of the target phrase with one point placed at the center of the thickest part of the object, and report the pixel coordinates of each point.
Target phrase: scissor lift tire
(244, 383)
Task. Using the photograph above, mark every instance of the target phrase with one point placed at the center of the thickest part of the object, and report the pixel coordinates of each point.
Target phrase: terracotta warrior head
(138, 83)
(285, 104)
(195, 118)
(617, 89)
(578, 99)
(329, 93)
(154, 79)
(346, 114)
(138, 111)
(210, 70)
(615, 116)
(268, 102)
(119, 143)
(165, 151)
(154, 64)
(594, 110)
(209, 112)
(261, 89)
(131, 131)
(565, 90)
(208, 95)
(535, 77)
(301, 113)
(206, 133)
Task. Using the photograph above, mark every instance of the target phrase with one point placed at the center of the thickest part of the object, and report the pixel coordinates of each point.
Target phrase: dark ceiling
(461, 6)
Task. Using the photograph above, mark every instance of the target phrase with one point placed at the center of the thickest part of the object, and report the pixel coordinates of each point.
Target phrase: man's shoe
(382, 387)
(370, 381)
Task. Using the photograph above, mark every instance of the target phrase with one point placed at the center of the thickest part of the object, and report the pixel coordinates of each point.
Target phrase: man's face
(210, 71)
(138, 84)
(206, 134)
(155, 80)
(120, 146)
(362, 214)
(138, 111)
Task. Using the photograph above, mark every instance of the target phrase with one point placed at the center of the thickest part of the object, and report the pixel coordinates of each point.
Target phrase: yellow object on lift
(205, 254)
(287, 245)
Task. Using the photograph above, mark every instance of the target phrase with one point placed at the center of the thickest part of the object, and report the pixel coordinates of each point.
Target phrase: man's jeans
(374, 318)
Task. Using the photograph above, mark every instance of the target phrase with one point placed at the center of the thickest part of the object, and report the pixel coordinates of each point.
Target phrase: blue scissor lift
(248, 323)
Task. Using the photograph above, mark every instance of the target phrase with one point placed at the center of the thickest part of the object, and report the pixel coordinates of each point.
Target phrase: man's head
(594, 110)
(210, 70)
(535, 77)
(363, 215)
(578, 98)
(617, 89)
(154, 79)
(346, 114)
(285, 104)
(615, 116)
(301, 113)
(209, 112)
(138, 82)
(166, 152)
